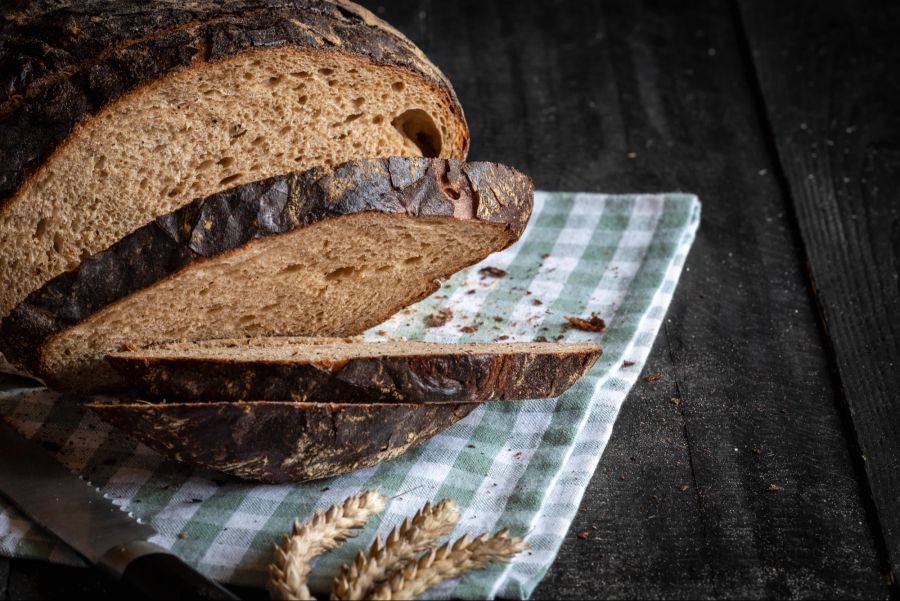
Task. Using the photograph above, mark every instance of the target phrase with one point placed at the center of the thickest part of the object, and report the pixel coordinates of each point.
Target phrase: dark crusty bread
(353, 371)
(113, 113)
(281, 441)
(327, 252)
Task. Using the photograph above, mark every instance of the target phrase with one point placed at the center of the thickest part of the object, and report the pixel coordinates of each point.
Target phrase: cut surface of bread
(281, 441)
(176, 103)
(327, 252)
(338, 371)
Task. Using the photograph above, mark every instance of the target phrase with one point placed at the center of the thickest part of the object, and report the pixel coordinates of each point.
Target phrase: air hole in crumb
(275, 80)
(206, 164)
(352, 118)
(231, 178)
(175, 191)
(302, 74)
(256, 142)
(340, 272)
(413, 260)
(58, 242)
(245, 319)
(226, 161)
(248, 76)
(332, 83)
(295, 268)
(378, 119)
(303, 99)
(284, 130)
(358, 102)
(326, 71)
(419, 128)
(41, 228)
(397, 86)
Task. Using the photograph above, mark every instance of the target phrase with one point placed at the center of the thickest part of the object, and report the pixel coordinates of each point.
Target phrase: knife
(89, 523)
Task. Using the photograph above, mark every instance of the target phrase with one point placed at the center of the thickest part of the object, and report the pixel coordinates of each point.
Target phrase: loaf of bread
(328, 252)
(113, 113)
(354, 371)
(281, 442)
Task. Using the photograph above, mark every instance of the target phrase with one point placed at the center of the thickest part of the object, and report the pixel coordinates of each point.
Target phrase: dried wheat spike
(403, 544)
(324, 531)
(449, 561)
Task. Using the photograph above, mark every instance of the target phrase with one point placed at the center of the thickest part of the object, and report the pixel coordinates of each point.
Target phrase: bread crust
(509, 372)
(63, 63)
(230, 221)
(278, 442)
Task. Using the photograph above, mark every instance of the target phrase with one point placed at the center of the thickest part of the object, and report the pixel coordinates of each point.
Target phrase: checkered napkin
(519, 464)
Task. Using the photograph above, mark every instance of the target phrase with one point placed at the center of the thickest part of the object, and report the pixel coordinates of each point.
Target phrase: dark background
(766, 461)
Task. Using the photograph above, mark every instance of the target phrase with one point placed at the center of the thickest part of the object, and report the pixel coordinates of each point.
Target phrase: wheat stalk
(449, 561)
(402, 545)
(323, 532)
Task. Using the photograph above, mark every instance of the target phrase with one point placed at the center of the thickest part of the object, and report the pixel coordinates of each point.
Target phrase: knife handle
(151, 572)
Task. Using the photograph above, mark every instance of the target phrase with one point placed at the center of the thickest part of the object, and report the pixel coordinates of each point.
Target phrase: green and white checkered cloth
(524, 465)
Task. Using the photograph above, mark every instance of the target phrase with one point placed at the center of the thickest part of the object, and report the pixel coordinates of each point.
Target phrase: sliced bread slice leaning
(327, 252)
(281, 442)
(113, 113)
(354, 371)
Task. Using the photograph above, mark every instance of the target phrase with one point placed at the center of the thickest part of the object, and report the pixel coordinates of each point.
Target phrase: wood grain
(832, 98)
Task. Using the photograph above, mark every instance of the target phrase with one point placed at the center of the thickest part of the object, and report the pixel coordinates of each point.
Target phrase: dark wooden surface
(780, 352)
(835, 116)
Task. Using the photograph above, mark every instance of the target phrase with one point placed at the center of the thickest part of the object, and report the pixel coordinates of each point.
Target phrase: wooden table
(766, 461)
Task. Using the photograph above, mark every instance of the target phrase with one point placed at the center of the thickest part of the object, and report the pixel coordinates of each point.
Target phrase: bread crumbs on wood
(436, 320)
(655, 377)
(594, 323)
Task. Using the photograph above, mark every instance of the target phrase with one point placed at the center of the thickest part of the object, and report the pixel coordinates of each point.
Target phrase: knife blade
(88, 522)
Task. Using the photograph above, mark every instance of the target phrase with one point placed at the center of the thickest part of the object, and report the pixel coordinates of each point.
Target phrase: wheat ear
(322, 532)
(449, 561)
(402, 545)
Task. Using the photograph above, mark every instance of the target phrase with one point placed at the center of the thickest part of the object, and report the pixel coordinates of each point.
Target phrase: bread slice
(327, 252)
(281, 441)
(113, 113)
(353, 371)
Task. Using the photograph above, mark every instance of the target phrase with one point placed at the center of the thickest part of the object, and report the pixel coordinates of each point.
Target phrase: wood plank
(566, 91)
(832, 98)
